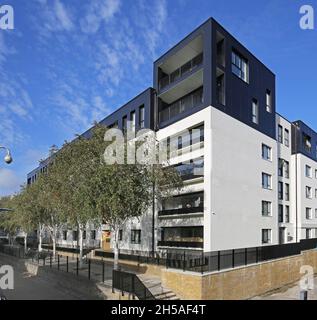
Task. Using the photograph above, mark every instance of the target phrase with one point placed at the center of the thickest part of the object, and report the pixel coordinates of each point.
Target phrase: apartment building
(250, 175)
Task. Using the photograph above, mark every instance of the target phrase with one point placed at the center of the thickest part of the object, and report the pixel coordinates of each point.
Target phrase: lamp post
(8, 158)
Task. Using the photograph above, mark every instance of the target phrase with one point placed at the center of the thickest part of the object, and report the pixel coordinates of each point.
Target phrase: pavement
(32, 287)
(290, 292)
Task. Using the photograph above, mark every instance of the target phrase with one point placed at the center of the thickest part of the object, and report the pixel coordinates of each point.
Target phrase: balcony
(180, 211)
(182, 105)
(181, 244)
(181, 72)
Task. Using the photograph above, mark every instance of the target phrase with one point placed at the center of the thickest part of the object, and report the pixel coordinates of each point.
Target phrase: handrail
(130, 283)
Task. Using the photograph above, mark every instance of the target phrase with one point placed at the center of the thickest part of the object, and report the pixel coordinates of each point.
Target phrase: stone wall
(240, 283)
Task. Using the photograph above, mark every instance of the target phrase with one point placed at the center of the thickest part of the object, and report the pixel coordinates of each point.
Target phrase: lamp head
(8, 158)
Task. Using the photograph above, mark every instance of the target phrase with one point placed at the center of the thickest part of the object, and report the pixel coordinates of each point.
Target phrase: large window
(308, 171)
(286, 138)
(280, 213)
(309, 214)
(266, 236)
(191, 169)
(141, 118)
(124, 124)
(266, 208)
(268, 101)
(183, 234)
(287, 217)
(309, 193)
(240, 66)
(309, 233)
(136, 236)
(307, 142)
(280, 190)
(286, 192)
(255, 111)
(280, 134)
(185, 201)
(266, 152)
(266, 181)
(132, 119)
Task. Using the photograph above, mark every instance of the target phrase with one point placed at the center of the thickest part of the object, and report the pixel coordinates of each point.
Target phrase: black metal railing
(181, 244)
(182, 105)
(181, 211)
(181, 71)
(128, 282)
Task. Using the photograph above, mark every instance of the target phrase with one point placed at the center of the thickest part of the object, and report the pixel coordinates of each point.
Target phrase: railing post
(133, 287)
(184, 261)
(246, 256)
(219, 267)
(166, 262)
(50, 261)
(202, 262)
(103, 271)
(66, 263)
(77, 265)
(232, 258)
(44, 261)
(57, 261)
(256, 254)
(89, 268)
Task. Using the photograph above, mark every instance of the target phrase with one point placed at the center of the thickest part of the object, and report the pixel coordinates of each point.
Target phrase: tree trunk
(40, 239)
(81, 246)
(116, 249)
(54, 246)
(26, 243)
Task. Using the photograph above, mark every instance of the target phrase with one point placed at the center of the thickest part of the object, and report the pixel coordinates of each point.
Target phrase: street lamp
(8, 158)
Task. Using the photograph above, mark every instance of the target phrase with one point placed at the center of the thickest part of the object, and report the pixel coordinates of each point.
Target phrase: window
(316, 174)
(266, 152)
(286, 138)
(240, 66)
(286, 192)
(309, 233)
(64, 234)
(315, 193)
(266, 208)
(141, 118)
(280, 167)
(316, 213)
(255, 111)
(309, 215)
(266, 181)
(75, 235)
(93, 234)
(124, 124)
(132, 118)
(280, 190)
(84, 235)
(309, 192)
(286, 167)
(308, 171)
(136, 236)
(268, 101)
(307, 142)
(280, 134)
(280, 213)
(266, 236)
(120, 234)
(287, 218)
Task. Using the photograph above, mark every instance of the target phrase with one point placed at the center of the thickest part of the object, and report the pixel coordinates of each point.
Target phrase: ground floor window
(136, 236)
(266, 236)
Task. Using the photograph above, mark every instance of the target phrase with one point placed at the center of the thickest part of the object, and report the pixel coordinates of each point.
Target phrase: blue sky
(68, 63)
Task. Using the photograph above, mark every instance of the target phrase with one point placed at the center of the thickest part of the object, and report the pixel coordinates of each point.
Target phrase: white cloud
(98, 12)
(63, 16)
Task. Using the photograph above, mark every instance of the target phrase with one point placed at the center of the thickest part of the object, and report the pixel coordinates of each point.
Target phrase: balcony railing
(182, 105)
(181, 244)
(180, 72)
(181, 211)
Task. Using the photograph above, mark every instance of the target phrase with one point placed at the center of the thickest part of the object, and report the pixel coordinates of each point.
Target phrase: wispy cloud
(9, 182)
(98, 12)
